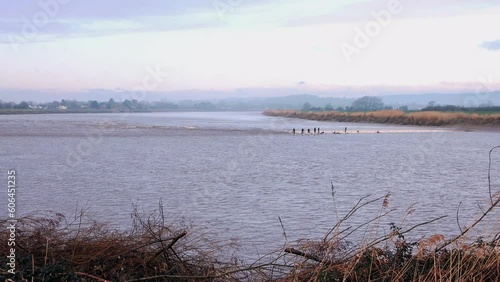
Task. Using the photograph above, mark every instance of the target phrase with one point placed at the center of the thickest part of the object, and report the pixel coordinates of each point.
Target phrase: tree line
(363, 104)
(372, 103)
(110, 105)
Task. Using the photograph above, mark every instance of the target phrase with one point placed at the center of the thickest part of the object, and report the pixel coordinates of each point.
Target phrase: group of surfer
(317, 131)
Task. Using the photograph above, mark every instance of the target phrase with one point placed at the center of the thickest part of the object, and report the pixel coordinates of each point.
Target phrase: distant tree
(94, 105)
(445, 108)
(8, 105)
(328, 107)
(431, 104)
(164, 105)
(367, 103)
(207, 106)
(127, 104)
(110, 104)
(136, 104)
(403, 108)
(316, 109)
(306, 107)
(340, 109)
(23, 105)
(488, 104)
(75, 105)
(53, 105)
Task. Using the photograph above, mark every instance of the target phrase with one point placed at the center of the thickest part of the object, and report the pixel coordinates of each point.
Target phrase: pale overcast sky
(223, 45)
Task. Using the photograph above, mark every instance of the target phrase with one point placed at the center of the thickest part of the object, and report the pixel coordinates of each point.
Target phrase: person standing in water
(293, 130)
(315, 130)
(302, 131)
(345, 130)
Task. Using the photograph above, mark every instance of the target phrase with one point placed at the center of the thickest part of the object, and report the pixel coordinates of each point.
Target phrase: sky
(259, 47)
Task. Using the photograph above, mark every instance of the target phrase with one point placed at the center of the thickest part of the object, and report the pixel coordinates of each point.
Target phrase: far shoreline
(41, 112)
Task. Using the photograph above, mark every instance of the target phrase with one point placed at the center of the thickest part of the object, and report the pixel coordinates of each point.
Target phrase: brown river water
(234, 173)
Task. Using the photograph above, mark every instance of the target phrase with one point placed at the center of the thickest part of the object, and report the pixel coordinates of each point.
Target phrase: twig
(333, 191)
(207, 277)
(91, 276)
(489, 173)
(386, 237)
(33, 267)
(458, 220)
(283, 227)
(302, 254)
(46, 253)
(353, 210)
(494, 203)
(172, 243)
(470, 227)
(366, 223)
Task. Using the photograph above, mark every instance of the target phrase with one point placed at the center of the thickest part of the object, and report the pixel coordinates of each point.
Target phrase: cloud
(491, 45)
(93, 18)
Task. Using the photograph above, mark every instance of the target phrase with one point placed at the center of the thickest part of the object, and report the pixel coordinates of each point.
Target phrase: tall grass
(428, 118)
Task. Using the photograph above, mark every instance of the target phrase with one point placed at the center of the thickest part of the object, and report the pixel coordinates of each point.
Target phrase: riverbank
(396, 117)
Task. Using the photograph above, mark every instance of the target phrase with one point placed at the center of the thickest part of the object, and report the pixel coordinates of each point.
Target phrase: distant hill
(413, 101)
(258, 100)
(422, 100)
(287, 102)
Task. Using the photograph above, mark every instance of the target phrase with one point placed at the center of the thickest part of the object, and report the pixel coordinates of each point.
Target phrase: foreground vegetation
(49, 247)
(428, 118)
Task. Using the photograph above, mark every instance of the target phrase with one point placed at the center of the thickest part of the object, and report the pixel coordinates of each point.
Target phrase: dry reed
(428, 118)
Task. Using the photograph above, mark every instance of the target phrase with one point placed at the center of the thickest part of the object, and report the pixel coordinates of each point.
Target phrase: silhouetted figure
(322, 132)
(302, 131)
(293, 130)
(308, 131)
(315, 130)
(378, 131)
(318, 130)
(345, 130)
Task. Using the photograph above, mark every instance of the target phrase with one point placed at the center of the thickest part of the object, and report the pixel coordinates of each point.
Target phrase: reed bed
(427, 118)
